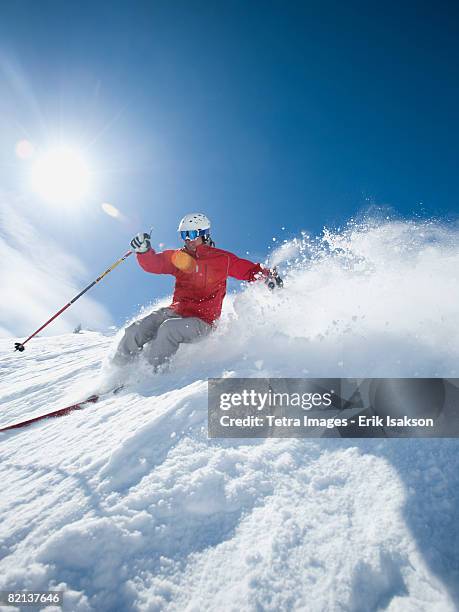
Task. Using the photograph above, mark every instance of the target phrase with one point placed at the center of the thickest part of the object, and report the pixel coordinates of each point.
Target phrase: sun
(61, 175)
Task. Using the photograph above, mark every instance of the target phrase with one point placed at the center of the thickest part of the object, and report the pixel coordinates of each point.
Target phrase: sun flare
(61, 175)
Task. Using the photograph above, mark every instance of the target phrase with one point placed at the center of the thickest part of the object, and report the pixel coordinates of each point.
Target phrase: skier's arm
(246, 270)
(157, 263)
(149, 260)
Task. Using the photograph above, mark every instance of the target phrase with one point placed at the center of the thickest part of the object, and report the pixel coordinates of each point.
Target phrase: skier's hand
(273, 280)
(141, 243)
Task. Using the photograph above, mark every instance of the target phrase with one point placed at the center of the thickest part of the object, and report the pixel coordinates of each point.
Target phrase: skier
(200, 271)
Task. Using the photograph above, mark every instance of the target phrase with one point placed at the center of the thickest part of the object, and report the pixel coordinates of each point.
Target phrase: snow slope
(128, 506)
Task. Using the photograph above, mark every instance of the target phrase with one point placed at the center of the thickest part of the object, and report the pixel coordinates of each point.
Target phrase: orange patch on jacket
(183, 261)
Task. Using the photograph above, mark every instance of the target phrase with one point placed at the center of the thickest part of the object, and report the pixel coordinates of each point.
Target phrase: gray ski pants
(162, 332)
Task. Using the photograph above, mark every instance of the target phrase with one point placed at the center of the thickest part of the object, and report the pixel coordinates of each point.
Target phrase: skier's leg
(139, 333)
(171, 334)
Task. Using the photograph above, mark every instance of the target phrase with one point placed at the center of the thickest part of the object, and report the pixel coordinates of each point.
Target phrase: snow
(127, 505)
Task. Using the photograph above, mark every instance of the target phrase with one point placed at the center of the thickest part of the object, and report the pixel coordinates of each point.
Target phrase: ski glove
(141, 243)
(273, 280)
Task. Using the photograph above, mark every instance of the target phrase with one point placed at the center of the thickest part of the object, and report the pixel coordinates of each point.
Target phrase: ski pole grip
(274, 280)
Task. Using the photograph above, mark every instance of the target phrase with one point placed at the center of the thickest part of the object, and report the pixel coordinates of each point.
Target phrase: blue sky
(261, 114)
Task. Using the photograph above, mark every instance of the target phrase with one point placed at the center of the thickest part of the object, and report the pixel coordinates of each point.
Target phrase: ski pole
(19, 346)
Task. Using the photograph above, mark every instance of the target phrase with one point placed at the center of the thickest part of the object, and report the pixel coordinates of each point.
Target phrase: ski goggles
(193, 234)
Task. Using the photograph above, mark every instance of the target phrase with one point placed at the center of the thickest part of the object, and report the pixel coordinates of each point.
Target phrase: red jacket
(200, 277)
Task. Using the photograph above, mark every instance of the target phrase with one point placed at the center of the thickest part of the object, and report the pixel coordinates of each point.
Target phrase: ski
(92, 399)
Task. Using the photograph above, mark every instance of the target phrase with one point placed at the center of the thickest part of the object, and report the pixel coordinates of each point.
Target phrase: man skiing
(201, 272)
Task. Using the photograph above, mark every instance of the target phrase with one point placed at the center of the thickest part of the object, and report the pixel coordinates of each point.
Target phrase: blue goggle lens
(193, 234)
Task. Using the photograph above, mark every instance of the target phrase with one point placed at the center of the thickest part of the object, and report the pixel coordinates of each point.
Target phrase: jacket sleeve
(246, 270)
(157, 263)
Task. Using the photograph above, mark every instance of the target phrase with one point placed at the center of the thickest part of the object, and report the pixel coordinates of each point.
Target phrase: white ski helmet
(194, 221)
